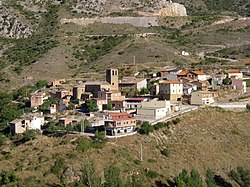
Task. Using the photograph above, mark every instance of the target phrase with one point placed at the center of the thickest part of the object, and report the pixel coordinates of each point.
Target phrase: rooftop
(234, 71)
(198, 72)
(183, 73)
(171, 82)
(135, 99)
(131, 80)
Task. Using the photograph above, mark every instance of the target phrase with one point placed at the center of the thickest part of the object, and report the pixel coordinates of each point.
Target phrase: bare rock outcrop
(173, 9)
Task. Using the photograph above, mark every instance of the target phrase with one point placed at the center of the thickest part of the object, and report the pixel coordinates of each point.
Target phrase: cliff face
(173, 9)
(11, 27)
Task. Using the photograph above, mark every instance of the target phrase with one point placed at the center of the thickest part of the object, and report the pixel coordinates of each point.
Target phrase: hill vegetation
(209, 149)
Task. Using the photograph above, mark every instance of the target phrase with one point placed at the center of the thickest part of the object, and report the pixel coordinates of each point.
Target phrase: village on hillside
(117, 105)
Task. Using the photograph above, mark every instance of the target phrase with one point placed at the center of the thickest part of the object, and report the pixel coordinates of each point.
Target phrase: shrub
(241, 176)
(146, 128)
(57, 167)
(137, 162)
(151, 174)
(99, 139)
(83, 144)
(159, 125)
(248, 106)
(2, 139)
(7, 178)
(152, 160)
(165, 152)
(30, 135)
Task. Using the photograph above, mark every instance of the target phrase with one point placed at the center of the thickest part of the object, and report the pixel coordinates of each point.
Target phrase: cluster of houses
(118, 114)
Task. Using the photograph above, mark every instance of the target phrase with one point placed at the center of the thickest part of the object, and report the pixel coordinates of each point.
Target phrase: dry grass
(204, 139)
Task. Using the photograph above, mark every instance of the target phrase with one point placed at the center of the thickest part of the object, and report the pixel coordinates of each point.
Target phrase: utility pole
(141, 153)
(82, 128)
(135, 65)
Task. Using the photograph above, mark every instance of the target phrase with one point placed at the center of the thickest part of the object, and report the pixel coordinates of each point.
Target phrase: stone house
(238, 84)
(63, 93)
(37, 99)
(133, 83)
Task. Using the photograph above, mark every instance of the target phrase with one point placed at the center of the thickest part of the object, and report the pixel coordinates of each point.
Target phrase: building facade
(27, 122)
(119, 123)
(170, 90)
(202, 98)
(112, 78)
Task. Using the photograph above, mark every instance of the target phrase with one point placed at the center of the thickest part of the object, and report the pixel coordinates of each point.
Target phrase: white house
(27, 122)
(198, 75)
(132, 103)
(235, 74)
(154, 108)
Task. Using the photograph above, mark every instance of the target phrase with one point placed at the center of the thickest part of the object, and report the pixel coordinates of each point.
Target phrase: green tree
(112, 177)
(83, 144)
(5, 99)
(144, 91)
(146, 128)
(241, 176)
(41, 84)
(184, 179)
(30, 134)
(90, 105)
(89, 175)
(227, 81)
(9, 113)
(99, 139)
(109, 106)
(7, 178)
(2, 139)
(248, 106)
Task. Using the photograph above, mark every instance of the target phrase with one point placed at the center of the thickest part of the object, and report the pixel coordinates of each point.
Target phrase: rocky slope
(11, 26)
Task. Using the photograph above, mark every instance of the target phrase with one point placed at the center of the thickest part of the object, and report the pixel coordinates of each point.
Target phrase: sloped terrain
(206, 138)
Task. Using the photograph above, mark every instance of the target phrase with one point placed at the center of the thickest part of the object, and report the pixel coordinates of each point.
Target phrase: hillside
(36, 44)
(214, 139)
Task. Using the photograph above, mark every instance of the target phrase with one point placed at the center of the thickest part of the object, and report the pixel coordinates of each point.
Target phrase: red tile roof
(171, 82)
(183, 73)
(198, 72)
(120, 116)
(233, 71)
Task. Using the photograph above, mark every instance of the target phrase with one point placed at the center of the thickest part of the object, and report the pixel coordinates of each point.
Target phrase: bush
(151, 174)
(146, 128)
(248, 106)
(176, 121)
(241, 176)
(57, 167)
(83, 144)
(165, 152)
(7, 178)
(99, 140)
(159, 125)
(2, 139)
(30, 135)
(137, 162)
